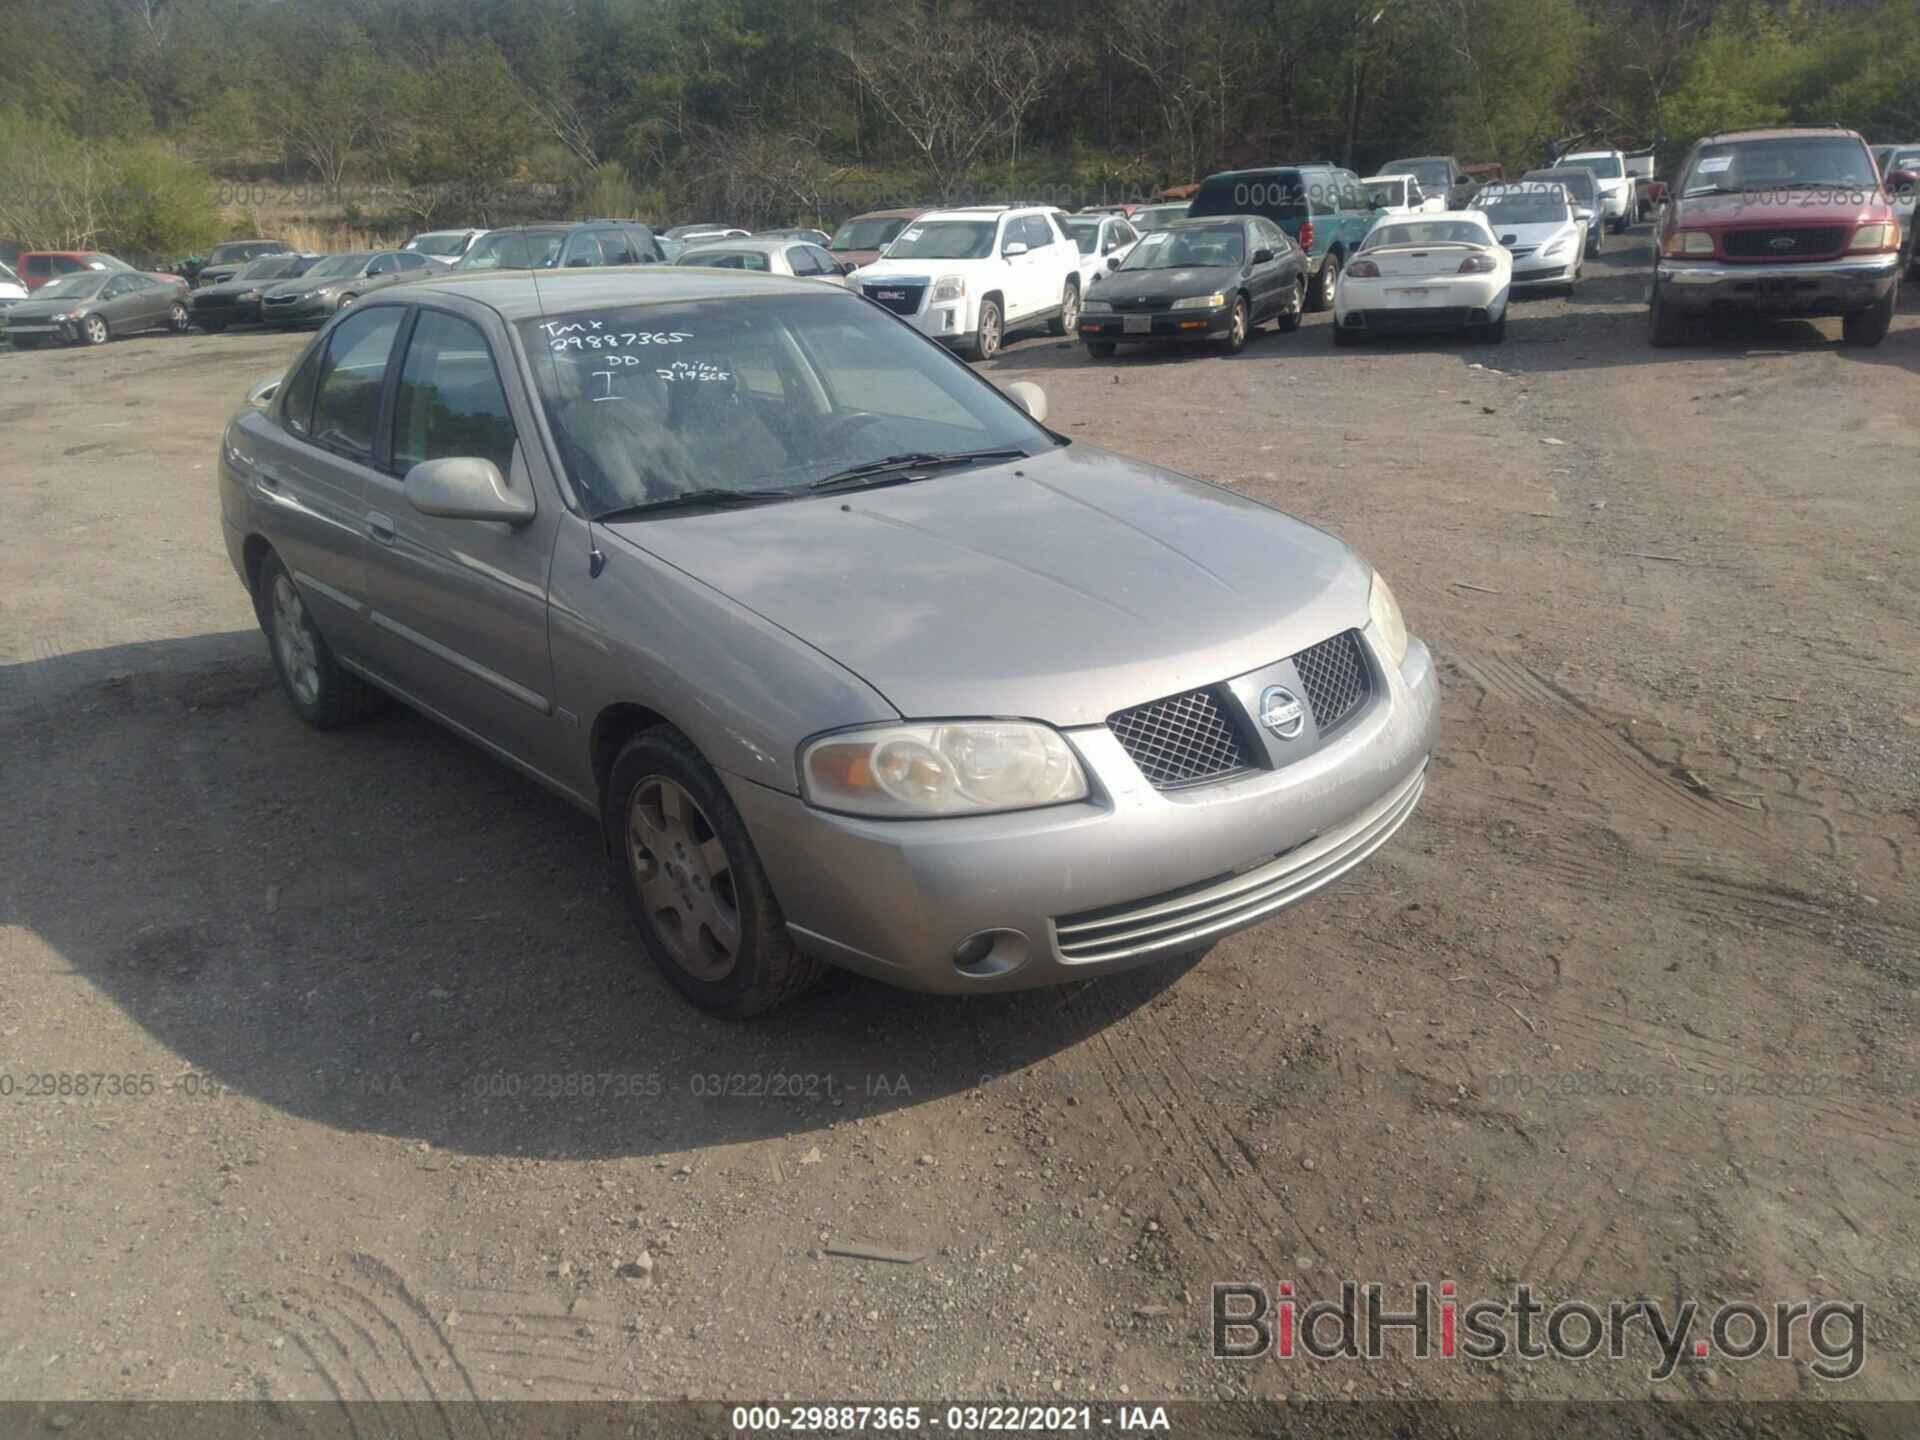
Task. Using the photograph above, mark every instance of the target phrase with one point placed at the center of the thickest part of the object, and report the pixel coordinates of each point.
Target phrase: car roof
(1781, 132)
(1557, 172)
(900, 213)
(1589, 154)
(1265, 170)
(516, 295)
(1202, 222)
(765, 244)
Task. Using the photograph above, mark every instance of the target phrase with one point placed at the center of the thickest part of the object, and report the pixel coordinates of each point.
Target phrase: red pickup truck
(1778, 223)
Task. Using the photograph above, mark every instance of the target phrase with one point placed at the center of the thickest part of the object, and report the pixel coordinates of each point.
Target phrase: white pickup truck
(968, 277)
(1609, 168)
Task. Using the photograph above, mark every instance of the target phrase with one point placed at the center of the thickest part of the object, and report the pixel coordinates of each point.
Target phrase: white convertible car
(1413, 273)
(1536, 222)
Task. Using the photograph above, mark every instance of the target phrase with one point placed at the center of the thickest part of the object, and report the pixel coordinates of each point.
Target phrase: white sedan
(1445, 271)
(1536, 221)
(1102, 240)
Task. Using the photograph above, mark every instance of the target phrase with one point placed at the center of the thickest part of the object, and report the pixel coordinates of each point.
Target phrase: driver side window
(346, 402)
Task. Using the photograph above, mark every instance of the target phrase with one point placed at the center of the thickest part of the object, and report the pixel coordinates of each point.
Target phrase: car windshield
(1404, 233)
(77, 286)
(449, 244)
(515, 250)
(1580, 184)
(1432, 174)
(727, 259)
(239, 250)
(761, 394)
(1527, 205)
(336, 265)
(944, 240)
(1085, 234)
(271, 267)
(867, 234)
(1797, 162)
(1201, 245)
(1607, 167)
(1382, 193)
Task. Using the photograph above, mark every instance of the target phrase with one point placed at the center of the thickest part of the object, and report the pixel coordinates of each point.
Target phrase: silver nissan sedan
(854, 660)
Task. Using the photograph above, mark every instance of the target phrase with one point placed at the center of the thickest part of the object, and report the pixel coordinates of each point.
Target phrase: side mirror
(466, 487)
(1014, 247)
(845, 267)
(1583, 216)
(1902, 180)
(1262, 256)
(1113, 262)
(260, 394)
(1030, 398)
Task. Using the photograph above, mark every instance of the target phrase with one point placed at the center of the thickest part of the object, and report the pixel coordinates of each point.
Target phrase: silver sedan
(854, 661)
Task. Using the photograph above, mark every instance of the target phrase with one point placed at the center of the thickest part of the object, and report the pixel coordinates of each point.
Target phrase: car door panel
(458, 608)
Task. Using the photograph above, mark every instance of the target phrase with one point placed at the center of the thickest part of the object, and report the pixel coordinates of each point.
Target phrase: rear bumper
(1823, 287)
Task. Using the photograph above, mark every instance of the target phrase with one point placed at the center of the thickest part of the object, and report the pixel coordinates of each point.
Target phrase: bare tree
(1020, 67)
(1150, 37)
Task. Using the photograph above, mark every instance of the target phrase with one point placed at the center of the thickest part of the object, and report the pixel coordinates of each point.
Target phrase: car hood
(238, 287)
(1536, 234)
(1153, 285)
(1061, 588)
(35, 308)
(1795, 209)
(884, 269)
(299, 285)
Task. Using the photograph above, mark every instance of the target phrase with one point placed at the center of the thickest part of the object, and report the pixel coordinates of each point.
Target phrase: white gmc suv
(967, 277)
(1616, 185)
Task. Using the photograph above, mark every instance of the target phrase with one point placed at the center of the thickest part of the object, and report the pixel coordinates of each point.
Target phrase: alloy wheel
(96, 330)
(178, 317)
(1070, 309)
(989, 333)
(684, 877)
(293, 638)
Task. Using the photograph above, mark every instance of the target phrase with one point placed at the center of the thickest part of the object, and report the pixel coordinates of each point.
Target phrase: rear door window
(800, 260)
(615, 249)
(346, 402)
(583, 249)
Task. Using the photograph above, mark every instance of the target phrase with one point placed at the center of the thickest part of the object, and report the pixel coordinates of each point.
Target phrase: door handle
(380, 527)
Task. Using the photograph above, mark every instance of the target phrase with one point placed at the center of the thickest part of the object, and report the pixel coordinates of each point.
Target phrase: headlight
(1882, 236)
(1385, 612)
(1555, 248)
(949, 287)
(249, 294)
(1200, 302)
(1690, 242)
(968, 767)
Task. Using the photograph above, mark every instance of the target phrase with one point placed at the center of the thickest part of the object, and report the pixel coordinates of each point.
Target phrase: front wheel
(1666, 326)
(1869, 327)
(695, 886)
(1236, 337)
(94, 330)
(1068, 319)
(986, 340)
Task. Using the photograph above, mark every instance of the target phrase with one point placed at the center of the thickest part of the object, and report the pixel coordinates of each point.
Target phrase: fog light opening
(991, 952)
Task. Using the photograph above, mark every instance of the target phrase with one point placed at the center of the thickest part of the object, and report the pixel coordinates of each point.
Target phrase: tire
(1343, 337)
(1101, 349)
(986, 340)
(1068, 320)
(345, 301)
(179, 319)
(1496, 333)
(1288, 321)
(320, 691)
(1325, 283)
(1866, 328)
(212, 327)
(1593, 245)
(694, 884)
(1665, 325)
(95, 330)
(1235, 339)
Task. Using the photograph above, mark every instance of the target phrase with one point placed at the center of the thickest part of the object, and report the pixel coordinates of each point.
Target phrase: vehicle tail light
(1881, 235)
(1363, 270)
(1478, 265)
(1306, 235)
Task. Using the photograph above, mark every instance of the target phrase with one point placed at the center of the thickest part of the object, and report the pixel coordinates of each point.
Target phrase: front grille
(1134, 303)
(1810, 243)
(1181, 740)
(1335, 676)
(902, 299)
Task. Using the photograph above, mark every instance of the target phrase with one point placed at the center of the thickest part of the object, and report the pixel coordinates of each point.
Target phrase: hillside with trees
(148, 124)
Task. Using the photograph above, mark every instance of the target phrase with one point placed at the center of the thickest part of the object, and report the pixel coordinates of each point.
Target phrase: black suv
(564, 246)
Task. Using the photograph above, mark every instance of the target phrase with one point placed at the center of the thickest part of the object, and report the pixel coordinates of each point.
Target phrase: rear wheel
(1327, 283)
(1069, 318)
(1342, 336)
(1288, 320)
(706, 912)
(1869, 327)
(1100, 349)
(320, 691)
(178, 320)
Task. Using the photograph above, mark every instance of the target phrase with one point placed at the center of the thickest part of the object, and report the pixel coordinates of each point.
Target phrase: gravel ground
(398, 1110)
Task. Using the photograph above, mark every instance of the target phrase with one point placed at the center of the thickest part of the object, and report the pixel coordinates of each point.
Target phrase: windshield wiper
(854, 476)
(710, 495)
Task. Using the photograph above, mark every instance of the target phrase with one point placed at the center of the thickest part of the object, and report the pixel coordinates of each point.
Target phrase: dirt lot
(1628, 1009)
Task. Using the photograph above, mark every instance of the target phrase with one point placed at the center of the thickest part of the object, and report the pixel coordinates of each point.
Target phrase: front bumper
(1133, 875)
(1555, 274)
(229, 312)
(1816, 287)
(1163, 325)
(303, 311)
